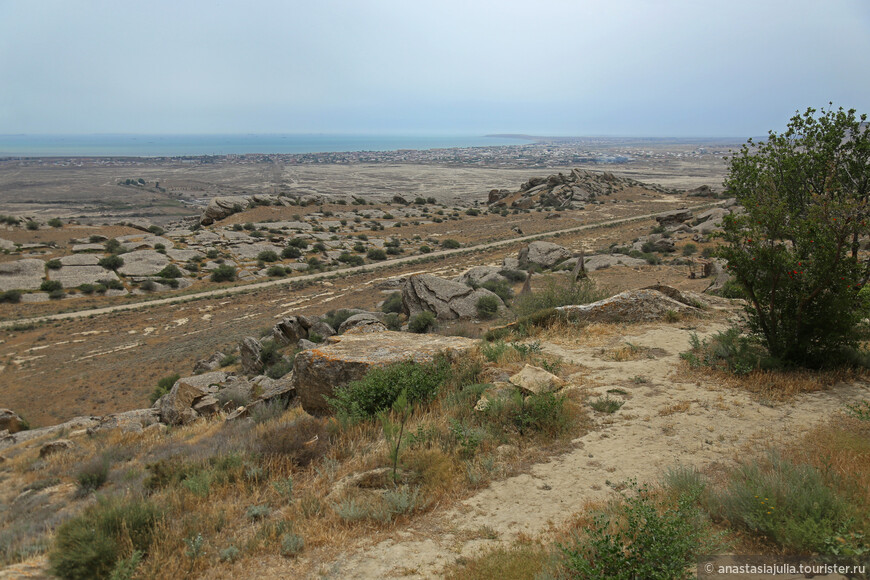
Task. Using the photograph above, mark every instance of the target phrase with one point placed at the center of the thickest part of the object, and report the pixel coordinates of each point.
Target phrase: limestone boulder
(543, 254)
(601, 261)
(128, 422)
(74, 276)
(80, 260)
(21, 274)
(480, 275)
(671, 218)
(319, 371)
(360, 320)
(447, 299)
(642, 305)
(11, 422)
(211, 363)
(289, 330)
(250, 350)
(177, 406)
(143, 263)
(56, 446)
(535, 380)
(221, 207)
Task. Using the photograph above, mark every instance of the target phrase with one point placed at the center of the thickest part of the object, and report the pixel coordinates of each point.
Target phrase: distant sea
(195, 145)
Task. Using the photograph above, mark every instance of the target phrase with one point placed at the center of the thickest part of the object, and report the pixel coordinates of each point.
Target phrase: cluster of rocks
(700, 225)
(570, 191)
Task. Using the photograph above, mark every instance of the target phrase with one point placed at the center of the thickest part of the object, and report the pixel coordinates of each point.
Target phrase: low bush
(728, 350)
(164, 385)
(93, 474)
(276, 271)
(393, 303)
(379, 389)
(421, 323)
(90, 545)
(500, 288)
(112, 262)
(267, 256)
(450, 244)
(557, 291)
(54, 264)
(334, 318)
(10, 296)
(302, 440)
(223, 273)
(170, 271)
(290, 252)
(514, 275)
(50, 286)
(487, 307)
(644, 537)
(783, 502)
(376, 254)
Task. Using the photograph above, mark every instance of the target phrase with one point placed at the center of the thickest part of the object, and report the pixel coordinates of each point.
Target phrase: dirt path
(665, 421)
(313, 277)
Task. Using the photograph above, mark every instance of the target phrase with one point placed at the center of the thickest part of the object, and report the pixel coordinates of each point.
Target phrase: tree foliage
(795, 250)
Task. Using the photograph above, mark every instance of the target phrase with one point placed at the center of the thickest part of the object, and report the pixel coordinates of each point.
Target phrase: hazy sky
(543, 67)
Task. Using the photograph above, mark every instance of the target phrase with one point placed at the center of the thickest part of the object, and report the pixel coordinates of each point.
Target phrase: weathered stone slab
(88, 248)
(24, 274)
(543, 254)
(80, 260)
(631, 306)
(73, 276)
(449, 300)
(319, 371)
(183, 255)
(143, 263)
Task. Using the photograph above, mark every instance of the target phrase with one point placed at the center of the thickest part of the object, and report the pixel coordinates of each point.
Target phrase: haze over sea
(194, 145)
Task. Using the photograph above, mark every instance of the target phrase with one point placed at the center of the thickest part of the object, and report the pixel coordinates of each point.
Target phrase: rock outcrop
(250, 350)
(535, 380)
(447, 299)
(11, 422)
(319, 371)
(211, 363)
(221, 207)
(480, 275)
(569, 191)
(177, 406)
(543, 254)
(21, 275)
(675, 217)
(642, 305)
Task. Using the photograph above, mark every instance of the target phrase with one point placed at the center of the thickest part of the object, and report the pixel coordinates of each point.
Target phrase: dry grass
(216, 475)
(629, 351)
(774, 386)
(680, 407)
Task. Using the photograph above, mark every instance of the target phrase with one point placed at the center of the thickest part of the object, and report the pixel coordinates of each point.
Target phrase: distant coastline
(200, 145)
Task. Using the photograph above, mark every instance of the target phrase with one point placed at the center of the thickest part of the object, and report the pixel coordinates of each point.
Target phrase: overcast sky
(542, 67)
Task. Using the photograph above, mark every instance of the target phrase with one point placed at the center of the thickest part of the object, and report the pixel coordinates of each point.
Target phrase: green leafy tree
(795, 249)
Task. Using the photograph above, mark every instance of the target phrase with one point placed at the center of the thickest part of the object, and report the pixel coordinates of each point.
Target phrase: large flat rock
(21, 275)
(72, 276)
(143, 263)
(644, 305)
(319, 371)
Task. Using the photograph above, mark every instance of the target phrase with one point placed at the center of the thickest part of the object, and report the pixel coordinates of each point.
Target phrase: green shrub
(644, 538)
(170, 271)
(557, 291)
(334, 318)
(112, 262)
(302, 441)
(164, 385)
(267, 256)
(32, 225)
(514, 275)
(56, 294)
(393, 303)
(606, 404)
(392, 322)
(11, 296)
(421, 323)
(727, 350)
(487, 307)
(351, 259)
(500, 288)
(50, 285)
(690, 249)
(223, 273)
(55, 223)
(290, 252)
(450, 244)
(276, 271)
(425, 249)
(795, 250)
(376, 254)
(380, 387)
(111, 284)
(113, 246)
(786, 503)
(89, 545)
(279, 369)
(54, 264)
(93, 474)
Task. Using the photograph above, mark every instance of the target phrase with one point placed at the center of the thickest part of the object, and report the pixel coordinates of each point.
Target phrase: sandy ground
(666, 421)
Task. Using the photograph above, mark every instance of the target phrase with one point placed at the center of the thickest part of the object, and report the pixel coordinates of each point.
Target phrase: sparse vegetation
(223, 273)
(421, 323)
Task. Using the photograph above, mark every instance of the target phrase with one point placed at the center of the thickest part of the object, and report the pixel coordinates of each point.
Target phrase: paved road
(323, 275)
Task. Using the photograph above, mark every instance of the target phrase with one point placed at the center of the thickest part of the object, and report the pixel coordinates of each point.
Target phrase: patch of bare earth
(667, 418)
